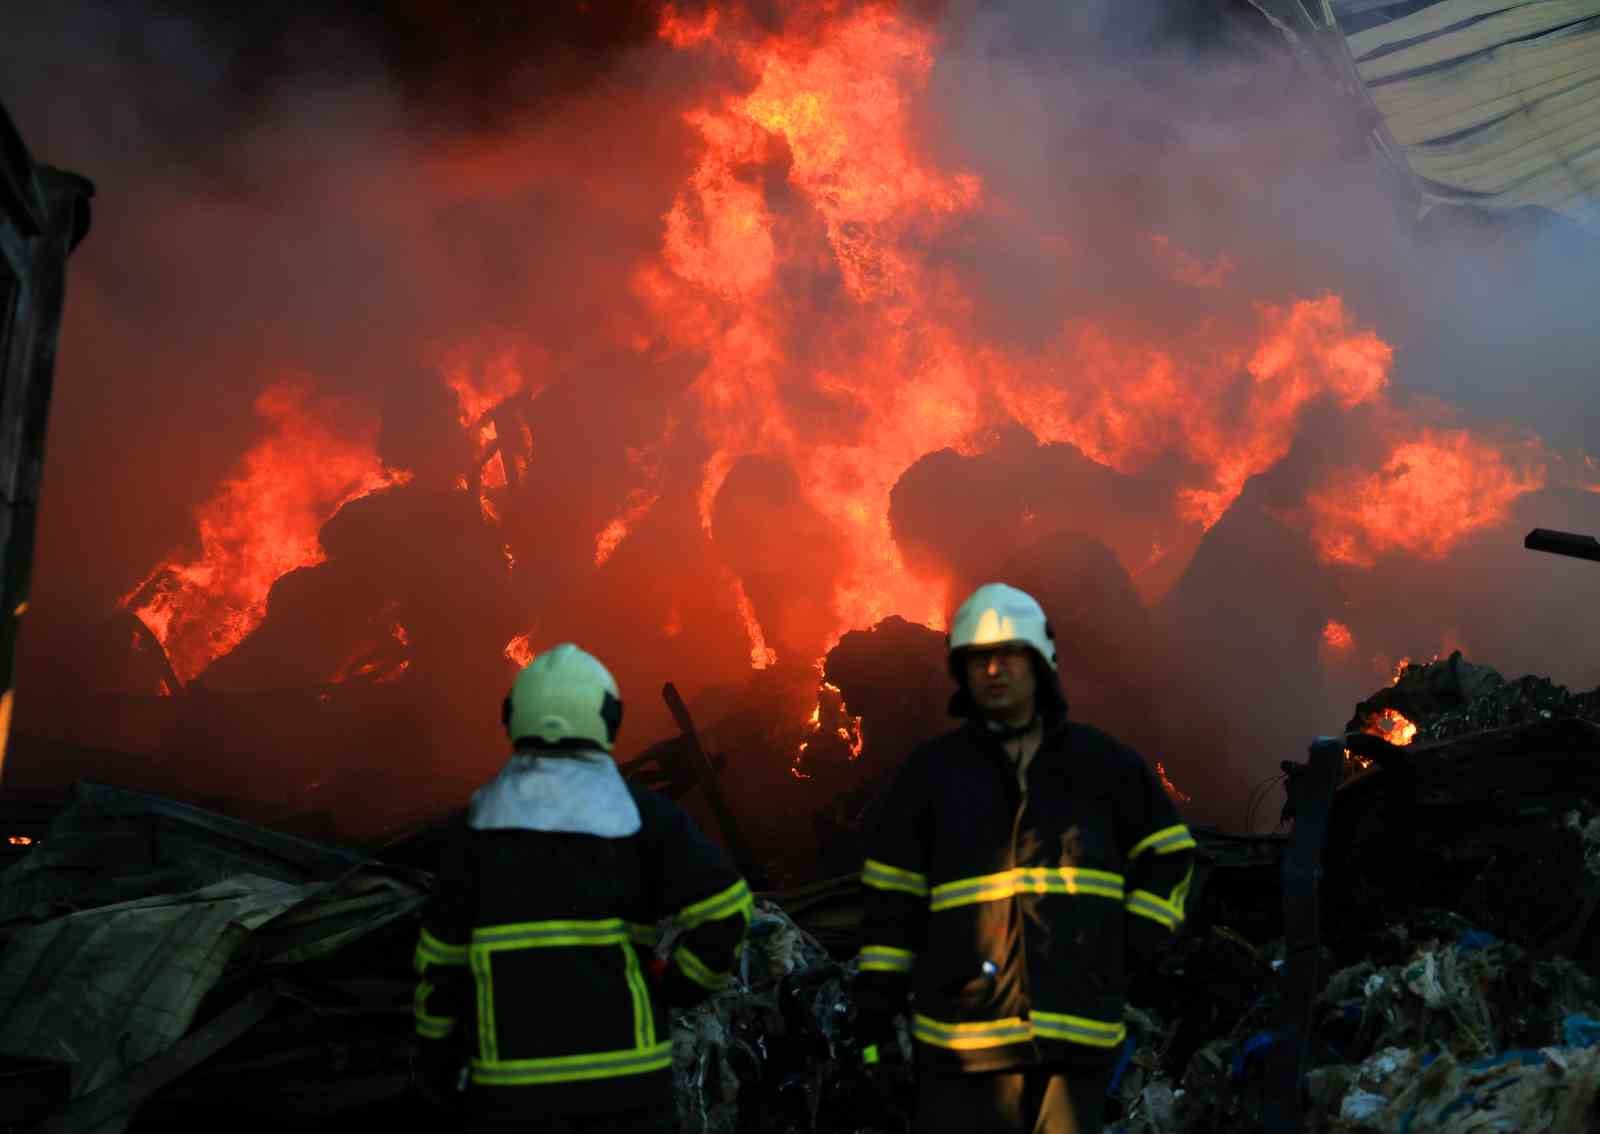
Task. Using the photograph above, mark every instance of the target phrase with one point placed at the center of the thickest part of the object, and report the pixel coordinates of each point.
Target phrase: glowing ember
(1336, 636)
(1354, 763)
(1432, 492)
(1177, 794)
(1399, 670)
(1392, 725)
(398, 633)
(261, 523)
(20, 841)
(520, 650)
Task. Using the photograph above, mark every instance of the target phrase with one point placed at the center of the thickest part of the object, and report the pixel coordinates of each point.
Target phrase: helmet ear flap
(611, 714)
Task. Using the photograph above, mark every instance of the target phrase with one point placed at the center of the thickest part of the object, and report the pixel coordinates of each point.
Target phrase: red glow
(1392, 725)
(520, 650)
(1336, 636)
(318, 454)
(1177, 794)
(1434, 490)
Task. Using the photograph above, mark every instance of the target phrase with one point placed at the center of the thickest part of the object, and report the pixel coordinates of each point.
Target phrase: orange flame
(520, 650)
(19, 840)
(1433, 491)
(844, 725)
(261, 523)
(640, 501)
(1177, 794)
(1336, 636)
(761, 655)
(1392, 725)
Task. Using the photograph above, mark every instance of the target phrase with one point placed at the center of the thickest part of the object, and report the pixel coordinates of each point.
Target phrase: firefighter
(1021, 869)
(536, 988)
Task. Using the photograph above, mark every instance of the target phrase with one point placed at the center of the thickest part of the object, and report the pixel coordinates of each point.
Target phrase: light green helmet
(564, 698)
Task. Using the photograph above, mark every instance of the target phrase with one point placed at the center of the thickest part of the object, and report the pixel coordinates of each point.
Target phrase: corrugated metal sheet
(1494, 103)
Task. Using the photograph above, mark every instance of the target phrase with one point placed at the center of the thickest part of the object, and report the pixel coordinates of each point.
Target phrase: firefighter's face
(1000, 679)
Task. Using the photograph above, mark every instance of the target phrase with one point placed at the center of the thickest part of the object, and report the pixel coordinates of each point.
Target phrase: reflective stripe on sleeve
(1154, 907)
(434, 1027)
(885, 959)
(572, 1068)
(1026, 880)
(432, 951)
(698, 971)
(736, 899)
(882, 876)
(1077, 1029)
(1165, 841)
(969, 1037)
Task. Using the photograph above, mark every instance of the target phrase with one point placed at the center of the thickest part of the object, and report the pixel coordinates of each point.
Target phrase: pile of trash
(1454, 697)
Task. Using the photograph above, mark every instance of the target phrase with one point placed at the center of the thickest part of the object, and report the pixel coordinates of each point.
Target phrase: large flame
(1433, 491)
(260, 524)
(795, 267)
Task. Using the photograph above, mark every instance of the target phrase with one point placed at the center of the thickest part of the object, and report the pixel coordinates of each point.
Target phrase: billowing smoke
(705, 334)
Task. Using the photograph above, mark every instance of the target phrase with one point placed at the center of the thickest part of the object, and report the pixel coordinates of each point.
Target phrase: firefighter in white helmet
(1021, 869)
(535, 956)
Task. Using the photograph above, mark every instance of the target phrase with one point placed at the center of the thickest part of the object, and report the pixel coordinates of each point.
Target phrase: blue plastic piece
(1474, 939)
(1123, 1060)
(1251, 1051)
(1579, 1030)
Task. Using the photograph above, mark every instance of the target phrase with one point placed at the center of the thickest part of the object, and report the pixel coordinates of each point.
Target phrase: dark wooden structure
(44, 213)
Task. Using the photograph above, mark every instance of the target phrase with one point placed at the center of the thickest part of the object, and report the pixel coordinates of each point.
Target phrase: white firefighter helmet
(996, 614)
(564, 698)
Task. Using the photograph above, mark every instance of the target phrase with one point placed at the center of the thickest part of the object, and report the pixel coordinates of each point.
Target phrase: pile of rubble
(1455, 697)
(159, 963)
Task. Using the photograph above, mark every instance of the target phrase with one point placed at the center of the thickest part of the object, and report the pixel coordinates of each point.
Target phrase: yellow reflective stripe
(698, 971)
(434, 1027)
(968, 1037)
(882, 876)
(1077, 1029)
(885, 959)
(1180, 893)
(483, 977)
(1154, 907)
(572, 1068)
(432, 951)
(644, 1024)
(641, 934)
(724, 903)
(535, 934)
(1165, 841)
(1026, 880)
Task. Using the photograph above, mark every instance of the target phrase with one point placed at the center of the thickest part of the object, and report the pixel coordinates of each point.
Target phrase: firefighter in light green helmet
(534, 960)
(1022, 868)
